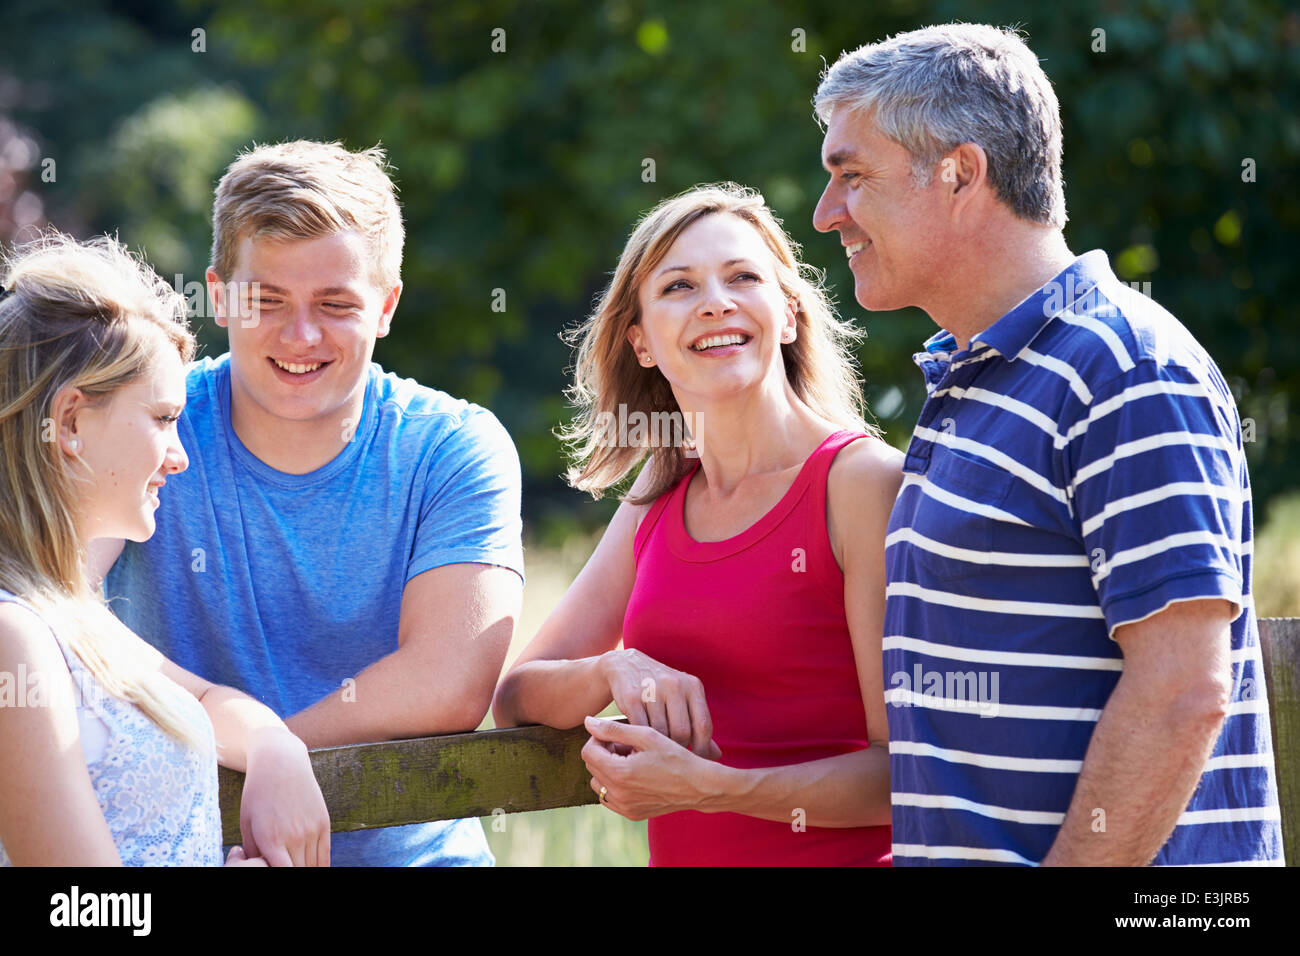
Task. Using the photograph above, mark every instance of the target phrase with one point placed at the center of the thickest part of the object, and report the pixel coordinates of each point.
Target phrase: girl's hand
(282, 813)
(652, 694)
(644, 773)
(237, 858)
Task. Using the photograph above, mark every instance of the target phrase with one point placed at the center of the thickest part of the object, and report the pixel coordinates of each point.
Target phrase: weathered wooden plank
(1280, 643)
(439, 778)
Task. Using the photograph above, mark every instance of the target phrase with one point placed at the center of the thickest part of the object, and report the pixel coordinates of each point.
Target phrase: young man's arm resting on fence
(455, 629)
(1153, 739)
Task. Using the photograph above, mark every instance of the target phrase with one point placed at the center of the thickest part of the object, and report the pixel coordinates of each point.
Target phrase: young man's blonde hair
(89, 316)
(309, 190)
(819, 363)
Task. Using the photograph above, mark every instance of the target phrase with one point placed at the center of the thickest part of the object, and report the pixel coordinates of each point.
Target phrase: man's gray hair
(938, 87)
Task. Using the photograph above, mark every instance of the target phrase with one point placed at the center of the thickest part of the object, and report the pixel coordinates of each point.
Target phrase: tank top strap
(69, 656)
(657, 509)
(819, 467)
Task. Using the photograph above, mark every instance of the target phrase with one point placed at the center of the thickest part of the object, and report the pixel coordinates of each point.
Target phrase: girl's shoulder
(36, 680)
(22, 628)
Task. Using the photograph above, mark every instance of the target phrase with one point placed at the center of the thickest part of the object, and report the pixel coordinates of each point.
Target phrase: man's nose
(302, 327)
(830, 208)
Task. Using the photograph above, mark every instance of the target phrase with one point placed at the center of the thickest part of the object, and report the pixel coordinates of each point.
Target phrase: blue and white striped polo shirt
(1079, 467)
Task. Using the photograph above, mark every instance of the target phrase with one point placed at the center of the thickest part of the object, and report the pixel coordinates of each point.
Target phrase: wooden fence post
(1279, 639)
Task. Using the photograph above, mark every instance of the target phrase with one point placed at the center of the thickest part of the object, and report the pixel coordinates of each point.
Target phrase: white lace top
(158, 795)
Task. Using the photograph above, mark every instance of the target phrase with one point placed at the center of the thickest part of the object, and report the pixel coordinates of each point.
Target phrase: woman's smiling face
(712, 312)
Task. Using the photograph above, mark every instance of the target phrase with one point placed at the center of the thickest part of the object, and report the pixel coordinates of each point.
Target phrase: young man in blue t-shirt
(345, 544)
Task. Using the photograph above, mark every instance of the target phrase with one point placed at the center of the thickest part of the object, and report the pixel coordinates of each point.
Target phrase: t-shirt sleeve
(470, 511)
(1159, 490)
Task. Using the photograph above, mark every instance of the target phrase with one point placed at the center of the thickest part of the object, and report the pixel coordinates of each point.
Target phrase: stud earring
(647, 360)
(74, 445)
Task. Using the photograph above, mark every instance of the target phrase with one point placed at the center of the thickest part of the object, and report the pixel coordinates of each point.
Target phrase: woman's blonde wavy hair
(819, 363)
(86, 316)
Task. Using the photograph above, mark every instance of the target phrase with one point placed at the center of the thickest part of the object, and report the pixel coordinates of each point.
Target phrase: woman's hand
(644, 773)
(654, 695)
(282, 813)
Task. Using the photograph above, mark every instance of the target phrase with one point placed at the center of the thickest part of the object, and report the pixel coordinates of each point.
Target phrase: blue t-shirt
(284, 586)
(1079, 467)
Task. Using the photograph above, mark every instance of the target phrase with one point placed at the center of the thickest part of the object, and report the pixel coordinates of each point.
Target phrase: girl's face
(713, 315)
(129, 444)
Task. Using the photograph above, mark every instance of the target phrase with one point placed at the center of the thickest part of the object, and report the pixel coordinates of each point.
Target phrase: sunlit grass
(570, 836)
(1276, 582)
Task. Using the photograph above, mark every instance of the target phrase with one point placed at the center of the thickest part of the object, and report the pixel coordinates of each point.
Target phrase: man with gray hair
(1075, 515)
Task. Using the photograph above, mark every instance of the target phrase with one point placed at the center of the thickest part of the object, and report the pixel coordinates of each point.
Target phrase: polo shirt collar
(1011, 334)
(941, 342)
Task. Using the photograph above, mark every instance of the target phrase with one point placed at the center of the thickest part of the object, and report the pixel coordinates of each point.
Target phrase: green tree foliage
(521, 135)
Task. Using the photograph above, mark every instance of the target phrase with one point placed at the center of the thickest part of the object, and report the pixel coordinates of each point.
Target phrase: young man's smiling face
(893, 233)
(303, 331)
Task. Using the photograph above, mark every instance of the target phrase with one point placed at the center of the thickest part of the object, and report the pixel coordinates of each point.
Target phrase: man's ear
(964, 174)
(217, 293)
(390, 306)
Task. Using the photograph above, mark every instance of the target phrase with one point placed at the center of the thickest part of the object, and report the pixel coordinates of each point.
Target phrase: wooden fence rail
(439, 778)
(538, 768)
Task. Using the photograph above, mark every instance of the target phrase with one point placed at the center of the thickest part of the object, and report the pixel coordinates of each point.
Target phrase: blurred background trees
(523, 138)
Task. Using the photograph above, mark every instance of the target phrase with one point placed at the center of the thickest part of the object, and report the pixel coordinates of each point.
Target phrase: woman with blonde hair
(108, 752)
(744, 572)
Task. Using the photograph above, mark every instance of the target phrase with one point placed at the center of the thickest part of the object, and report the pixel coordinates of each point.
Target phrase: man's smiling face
(893, 233)
(307, 320)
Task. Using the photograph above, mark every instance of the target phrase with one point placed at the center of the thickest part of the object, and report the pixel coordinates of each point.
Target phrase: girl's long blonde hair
(819, 363)
(84, 316)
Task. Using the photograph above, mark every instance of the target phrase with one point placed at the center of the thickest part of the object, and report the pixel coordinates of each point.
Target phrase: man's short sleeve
(1159, 490)
(470, 512)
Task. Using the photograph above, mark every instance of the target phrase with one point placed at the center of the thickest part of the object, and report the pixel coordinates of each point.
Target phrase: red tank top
(759, 619)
